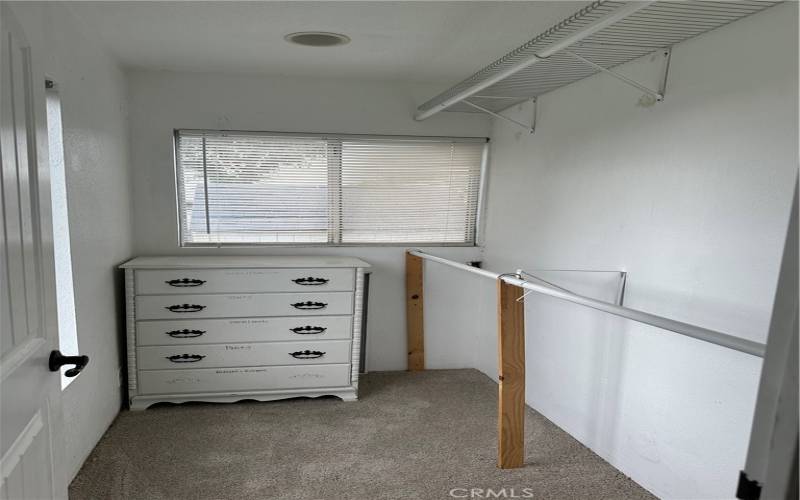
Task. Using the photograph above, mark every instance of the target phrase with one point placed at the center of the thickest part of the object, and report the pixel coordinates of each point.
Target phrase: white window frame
(65, 285)
(477, 237)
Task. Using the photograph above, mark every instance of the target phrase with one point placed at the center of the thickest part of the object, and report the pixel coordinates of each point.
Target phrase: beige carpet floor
(410, 436)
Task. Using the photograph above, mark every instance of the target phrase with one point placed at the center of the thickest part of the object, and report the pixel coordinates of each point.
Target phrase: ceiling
(407, 41)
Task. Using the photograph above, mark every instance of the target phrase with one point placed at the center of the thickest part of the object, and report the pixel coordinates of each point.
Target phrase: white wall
(692, 198)
(162, 101)
(93, 96)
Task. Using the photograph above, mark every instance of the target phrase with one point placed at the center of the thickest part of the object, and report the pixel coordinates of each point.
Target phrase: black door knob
(57, 360)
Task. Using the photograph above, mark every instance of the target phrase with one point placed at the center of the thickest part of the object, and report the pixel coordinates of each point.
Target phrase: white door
(772, 456)
(30, 397)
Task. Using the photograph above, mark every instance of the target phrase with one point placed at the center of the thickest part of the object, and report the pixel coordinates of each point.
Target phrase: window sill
(327, 245)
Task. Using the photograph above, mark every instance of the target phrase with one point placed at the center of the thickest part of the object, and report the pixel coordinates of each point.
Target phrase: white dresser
(224, 329)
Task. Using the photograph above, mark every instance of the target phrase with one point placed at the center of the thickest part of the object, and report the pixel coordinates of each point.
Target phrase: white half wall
(93, 97)
(163, 101)
(691, 197)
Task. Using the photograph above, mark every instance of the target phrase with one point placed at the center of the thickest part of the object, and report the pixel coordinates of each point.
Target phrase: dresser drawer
(238, 380)
(253, 354)
(243, 304)
(231, 330)
(183, 281)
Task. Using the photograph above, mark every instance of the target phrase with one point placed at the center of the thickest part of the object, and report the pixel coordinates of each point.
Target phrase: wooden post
(511, 365)
(414, 313)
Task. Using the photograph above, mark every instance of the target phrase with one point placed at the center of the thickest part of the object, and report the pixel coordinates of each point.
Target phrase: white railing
(694, 331)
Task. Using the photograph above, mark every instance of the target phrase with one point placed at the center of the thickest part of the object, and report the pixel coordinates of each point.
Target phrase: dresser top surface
(233, 262)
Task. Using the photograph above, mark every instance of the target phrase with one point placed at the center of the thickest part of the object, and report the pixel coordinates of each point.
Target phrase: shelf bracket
(662, 87)
(657, 94)
(529, 128)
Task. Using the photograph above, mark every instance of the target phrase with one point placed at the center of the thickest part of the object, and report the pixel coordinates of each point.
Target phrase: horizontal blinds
(262, 188)
(410, 191)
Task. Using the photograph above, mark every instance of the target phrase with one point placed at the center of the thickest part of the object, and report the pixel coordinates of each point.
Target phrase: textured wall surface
(93, 97)
(162, 101)
(691, 197)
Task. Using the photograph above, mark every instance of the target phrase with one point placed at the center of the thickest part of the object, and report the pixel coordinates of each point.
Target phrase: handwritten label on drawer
(182, 380)
(240, 370)
(249, 272)
(239, 297)
(238, 347)
(248, 321)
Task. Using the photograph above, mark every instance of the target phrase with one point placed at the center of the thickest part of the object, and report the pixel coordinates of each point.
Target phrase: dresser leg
(348, 396)
(138, 405)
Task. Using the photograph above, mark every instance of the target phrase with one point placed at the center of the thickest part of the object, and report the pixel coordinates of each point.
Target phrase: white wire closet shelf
(598, 37)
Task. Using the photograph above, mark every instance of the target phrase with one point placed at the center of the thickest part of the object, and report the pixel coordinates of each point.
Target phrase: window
(260, 188)
(65, 299)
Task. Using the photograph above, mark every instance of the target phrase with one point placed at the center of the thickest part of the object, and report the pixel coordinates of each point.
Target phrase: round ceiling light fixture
(317, 38)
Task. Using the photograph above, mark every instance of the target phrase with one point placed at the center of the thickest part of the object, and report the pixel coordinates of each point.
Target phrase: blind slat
(260, 188)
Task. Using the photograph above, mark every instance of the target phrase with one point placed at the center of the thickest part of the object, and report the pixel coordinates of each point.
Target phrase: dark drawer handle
(184, 282)
(311, 281)
(309, 305)
(308, 330)
(185, 308)
(307, 354)
(185, 333)
(185, 358)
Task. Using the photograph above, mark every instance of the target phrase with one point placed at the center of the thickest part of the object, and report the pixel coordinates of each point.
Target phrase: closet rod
(588, 30)
(697, 332)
